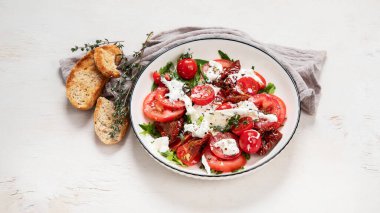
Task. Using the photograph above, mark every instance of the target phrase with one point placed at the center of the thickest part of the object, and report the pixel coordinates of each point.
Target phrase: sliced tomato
(225, 63)
(155, 111)
(227, 105)
(248, 85)
(202, 95)
(187, 68)
(164, 101)
(190, 152)
(217, 150)
(269, 104)
(250, 141)
(245, 123)
(221, 165)
(263, 82)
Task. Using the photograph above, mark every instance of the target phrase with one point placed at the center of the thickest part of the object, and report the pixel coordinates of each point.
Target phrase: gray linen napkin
(303, 65)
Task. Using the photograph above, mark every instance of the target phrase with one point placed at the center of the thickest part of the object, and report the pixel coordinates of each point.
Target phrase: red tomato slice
(187, 68)
(250, 141)
(225, 63)
(202, 95)
(155, 111)
(269, 104)
(218, 151)
(227, 105)
(245, 123)
(264, 82)
(157, 78)
(221, 165)
(248, 85)
(160, 96)
(190, 152)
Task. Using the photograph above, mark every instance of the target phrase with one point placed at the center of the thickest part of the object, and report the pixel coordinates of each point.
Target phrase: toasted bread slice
(106, 59)
(103, 120)
(85, 83)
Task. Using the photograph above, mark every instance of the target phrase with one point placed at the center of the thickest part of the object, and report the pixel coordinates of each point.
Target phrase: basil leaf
(166, 69)
(154, 86)
(270, 89)
(149, 129)
(224, 56)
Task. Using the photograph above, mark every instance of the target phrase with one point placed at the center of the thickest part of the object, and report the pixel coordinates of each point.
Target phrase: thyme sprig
(88, 46)
(122, 91)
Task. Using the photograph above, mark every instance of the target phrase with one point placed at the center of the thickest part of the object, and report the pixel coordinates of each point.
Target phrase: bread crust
(84, 83)
(103, 120)
(106, 59)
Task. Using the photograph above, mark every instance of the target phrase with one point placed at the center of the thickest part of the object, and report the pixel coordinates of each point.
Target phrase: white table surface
(51, 161)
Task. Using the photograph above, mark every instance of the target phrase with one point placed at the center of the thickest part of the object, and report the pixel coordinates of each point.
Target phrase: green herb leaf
(149, 129)
(154, 86)
(188, 119)
(238, 170)
(200, 63)
(215, 172)
(188, 54)
(171, 156)
(224, 56)
(233, 121)
(270, 89)
(246, 155)
(166, 69)
(200, 119)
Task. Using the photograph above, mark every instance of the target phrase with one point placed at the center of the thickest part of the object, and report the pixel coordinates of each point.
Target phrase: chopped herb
(270, 88)
(233, 121)
(171, 156)
(253, 67)
(238, 170)
(224, 56)
(188, 119)
(246, 155)
(200, 119)
(149, 129)
(216, 172)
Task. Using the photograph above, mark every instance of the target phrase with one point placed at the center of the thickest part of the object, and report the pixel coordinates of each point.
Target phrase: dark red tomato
(190, 152)
(164, 101)
(227, 105)
(245, 123)
(270, 139)
(157, 78)
(187, 68)
(269, 104)
(221, 165)
(263, 83)
(155, 111)
(248, 85)
(250, 141)
(225, 63)
(202, 95)
(217, 151)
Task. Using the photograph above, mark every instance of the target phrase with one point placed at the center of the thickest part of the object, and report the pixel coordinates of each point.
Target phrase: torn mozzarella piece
(205, 164)
(161, 144)
(228, 146)
(214, 71)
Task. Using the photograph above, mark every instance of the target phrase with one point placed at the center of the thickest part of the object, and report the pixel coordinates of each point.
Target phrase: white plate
(208, 49)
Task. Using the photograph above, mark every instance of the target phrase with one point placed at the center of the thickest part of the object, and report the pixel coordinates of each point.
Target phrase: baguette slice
(85, 83)
(106, 59)
(103, 120)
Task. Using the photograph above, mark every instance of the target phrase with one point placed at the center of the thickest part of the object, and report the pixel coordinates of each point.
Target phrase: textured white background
(50, 160)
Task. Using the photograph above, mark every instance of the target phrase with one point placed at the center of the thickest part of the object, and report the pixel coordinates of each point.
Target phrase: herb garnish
(233, 121)
(270, 88)
(121, 91)
(170, 155)
(224, 56)
(87, 47)
(188, 54)
(149, 129)
(238, 170)
(246, 155)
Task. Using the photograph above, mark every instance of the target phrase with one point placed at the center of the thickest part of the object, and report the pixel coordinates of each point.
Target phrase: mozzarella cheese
(214, 70)
(228, 146)
(205, 164)
(161, 144)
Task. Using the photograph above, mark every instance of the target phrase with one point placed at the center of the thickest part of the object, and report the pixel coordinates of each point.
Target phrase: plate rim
(229, 174)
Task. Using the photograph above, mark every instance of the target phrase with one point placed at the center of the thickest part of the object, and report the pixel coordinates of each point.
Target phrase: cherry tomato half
(269, 104)
(157, 78)
(202, 95)
(245, 123)
(187, 68)
(160, 96)
(227, 105)
(155, 111)
(221, 165)
(250, 141)
(248, 85)
(217, 151)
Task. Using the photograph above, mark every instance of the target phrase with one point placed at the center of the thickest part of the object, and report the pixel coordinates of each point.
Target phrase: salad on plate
(213, 114)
